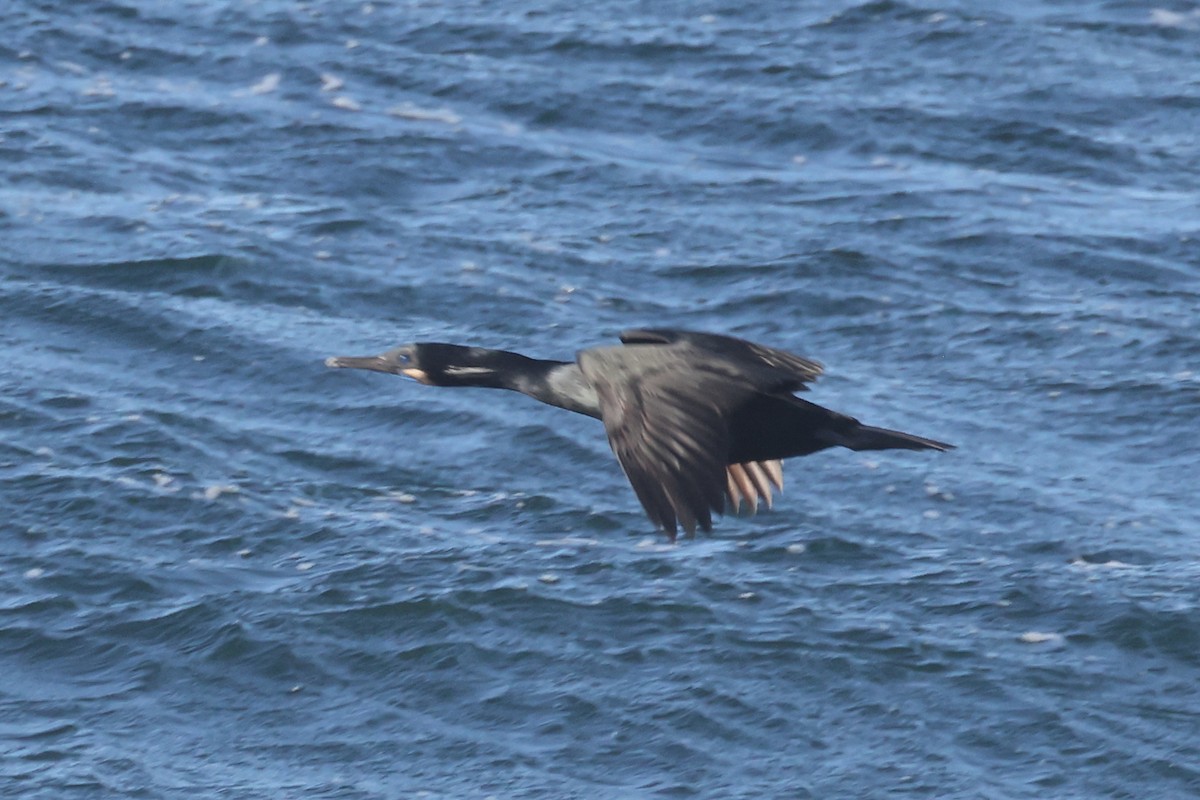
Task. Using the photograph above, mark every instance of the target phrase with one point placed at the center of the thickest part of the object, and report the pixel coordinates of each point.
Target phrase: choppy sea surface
(226, 571)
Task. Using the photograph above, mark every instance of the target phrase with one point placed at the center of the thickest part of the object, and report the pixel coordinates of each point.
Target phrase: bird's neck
(561, 383)
(557, 383)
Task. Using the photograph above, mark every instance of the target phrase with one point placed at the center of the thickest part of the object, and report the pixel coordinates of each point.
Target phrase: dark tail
(864, 437)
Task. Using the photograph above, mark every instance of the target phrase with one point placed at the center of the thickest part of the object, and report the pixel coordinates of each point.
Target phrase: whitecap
(268, 84)
(410, 111)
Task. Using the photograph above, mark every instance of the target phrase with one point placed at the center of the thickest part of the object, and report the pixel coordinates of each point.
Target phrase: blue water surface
(228, 572)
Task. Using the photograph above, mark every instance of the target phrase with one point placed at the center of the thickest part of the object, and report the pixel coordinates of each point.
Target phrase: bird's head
(431, 363)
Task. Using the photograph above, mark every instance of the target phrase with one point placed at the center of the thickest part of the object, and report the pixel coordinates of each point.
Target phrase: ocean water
(226, 571)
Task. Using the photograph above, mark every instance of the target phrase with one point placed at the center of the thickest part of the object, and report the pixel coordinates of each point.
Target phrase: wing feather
(775, 472)
(800, 369)
(737, 474)
(732, 491)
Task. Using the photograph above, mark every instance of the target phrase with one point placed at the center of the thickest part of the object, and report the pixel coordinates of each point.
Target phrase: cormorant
(695, 419)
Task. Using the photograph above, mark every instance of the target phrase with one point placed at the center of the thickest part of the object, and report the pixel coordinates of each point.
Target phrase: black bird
(695, 419)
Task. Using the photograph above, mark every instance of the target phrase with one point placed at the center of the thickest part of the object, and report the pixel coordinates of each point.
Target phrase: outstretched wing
(666, 410)
(739, 351)
(668, 434)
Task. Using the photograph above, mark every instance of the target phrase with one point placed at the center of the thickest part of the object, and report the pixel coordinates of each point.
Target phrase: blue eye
(404, 358)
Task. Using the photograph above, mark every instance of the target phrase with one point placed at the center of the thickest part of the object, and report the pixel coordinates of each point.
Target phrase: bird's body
(698, 421)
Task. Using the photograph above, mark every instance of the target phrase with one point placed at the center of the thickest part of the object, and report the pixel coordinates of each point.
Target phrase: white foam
(1174, 19)
(1110, 564)
(268, 84)
(162, 480)
(410, 111)
(567, 540)
(216, 490)
(656, 545)
(101, 87)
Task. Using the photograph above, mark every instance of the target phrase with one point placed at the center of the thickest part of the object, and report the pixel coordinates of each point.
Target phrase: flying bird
(699, 422)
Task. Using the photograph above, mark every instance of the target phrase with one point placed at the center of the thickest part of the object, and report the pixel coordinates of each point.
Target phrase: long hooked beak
(393, 362)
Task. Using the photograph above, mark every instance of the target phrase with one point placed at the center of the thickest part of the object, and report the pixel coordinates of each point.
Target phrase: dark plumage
(698, 421)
